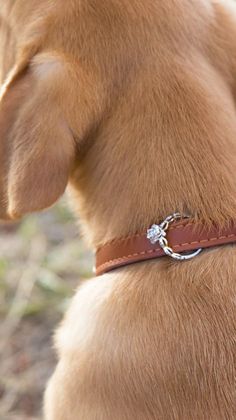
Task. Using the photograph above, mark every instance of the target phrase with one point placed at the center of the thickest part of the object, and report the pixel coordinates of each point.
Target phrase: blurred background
(42, 261)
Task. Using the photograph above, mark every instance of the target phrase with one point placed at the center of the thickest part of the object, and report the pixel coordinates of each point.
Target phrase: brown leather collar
(184, 235)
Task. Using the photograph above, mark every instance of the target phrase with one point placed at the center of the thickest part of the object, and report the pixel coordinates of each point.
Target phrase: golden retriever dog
(132, 103)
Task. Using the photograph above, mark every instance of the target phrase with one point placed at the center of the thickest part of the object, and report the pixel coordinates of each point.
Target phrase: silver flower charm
(155, 233)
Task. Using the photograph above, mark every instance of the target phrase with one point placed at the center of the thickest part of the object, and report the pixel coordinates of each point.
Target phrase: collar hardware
(157, 233)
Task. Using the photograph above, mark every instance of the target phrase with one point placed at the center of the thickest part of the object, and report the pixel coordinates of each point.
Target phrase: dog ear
(36, 145)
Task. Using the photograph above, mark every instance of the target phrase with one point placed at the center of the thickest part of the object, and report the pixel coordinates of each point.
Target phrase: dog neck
(182, 160)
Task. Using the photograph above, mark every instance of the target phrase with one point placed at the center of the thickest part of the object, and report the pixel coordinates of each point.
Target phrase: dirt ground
(42, 260)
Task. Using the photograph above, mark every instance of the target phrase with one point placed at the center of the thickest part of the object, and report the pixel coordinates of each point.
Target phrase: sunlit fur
(131, 104)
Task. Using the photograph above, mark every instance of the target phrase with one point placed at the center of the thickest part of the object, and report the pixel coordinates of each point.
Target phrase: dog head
(64, 66)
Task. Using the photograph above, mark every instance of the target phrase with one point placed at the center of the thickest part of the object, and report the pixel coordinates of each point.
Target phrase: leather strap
(184, 235)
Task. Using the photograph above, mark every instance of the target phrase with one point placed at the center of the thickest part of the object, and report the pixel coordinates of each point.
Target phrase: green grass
(42, 261)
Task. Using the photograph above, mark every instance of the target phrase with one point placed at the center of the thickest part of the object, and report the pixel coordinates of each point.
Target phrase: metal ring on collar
(157, 233)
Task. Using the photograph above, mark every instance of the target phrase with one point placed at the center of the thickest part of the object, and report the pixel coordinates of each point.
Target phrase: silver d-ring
(157, 233)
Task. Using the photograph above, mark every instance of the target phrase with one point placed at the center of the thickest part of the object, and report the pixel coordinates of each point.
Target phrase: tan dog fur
(133, 104)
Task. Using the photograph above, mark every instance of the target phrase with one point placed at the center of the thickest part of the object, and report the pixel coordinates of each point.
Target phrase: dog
(132, 105)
